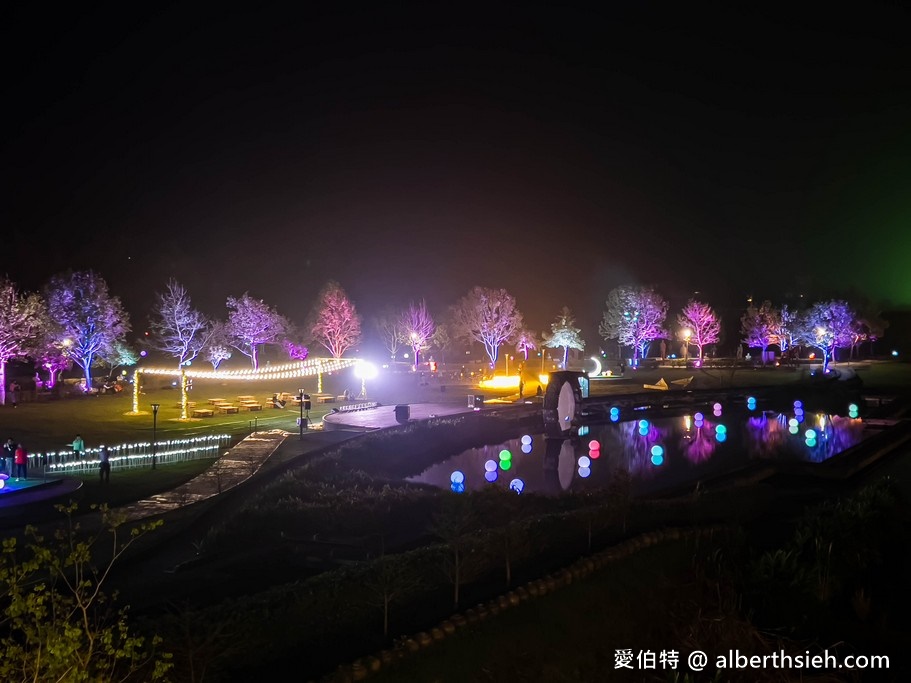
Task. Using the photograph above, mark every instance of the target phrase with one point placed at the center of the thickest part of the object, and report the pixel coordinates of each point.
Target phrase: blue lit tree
(827, 326)
(90, 320)
(634, 316)
(564, 334)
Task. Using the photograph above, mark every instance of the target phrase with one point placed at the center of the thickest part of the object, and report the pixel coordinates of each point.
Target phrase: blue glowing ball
(457, 477)
(490, 466)
(721, 429)
(699, 417)
(657, 460)
(615, 411)
(811, 443)
(643, 431)
(490, 476)
(643, 424)
(614, 418)
(585, 461)
(526, 448)
(657, 450)
(585, 472)
(457, 487)
(798, 404)
(721, 437)
(526, 439)
(517, 485)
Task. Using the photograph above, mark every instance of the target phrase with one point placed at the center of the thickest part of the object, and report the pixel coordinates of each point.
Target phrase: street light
(687, 332)
(364, 371)
(300, 422)
(155, 407)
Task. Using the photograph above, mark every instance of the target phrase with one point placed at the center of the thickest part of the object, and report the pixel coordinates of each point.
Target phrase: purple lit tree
(218, 349)
(703, 323)
(90, 320)
(787, 319)
(827, 326)
(869, 326)
(760, 326)
(52, 356)
(634, 317)
(23, 321)
(387, 324)
(488, 316)
(337, 326)
(526, 340)
(564, 334)
(252, 322)
(417, 328)
(441, 340)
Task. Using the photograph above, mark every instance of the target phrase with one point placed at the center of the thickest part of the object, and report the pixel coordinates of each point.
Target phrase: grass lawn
(135, 484)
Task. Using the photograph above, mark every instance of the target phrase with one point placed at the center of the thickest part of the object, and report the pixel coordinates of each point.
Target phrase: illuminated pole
(507, 364)
(136, 392)
(155, 407)
(686, 343)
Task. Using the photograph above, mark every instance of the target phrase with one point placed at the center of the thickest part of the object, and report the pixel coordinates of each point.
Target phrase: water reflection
(659, 453)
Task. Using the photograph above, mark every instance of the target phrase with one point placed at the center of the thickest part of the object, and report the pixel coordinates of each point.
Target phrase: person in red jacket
(21, 462)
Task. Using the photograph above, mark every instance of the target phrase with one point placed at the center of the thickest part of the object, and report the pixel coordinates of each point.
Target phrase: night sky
(417, 151)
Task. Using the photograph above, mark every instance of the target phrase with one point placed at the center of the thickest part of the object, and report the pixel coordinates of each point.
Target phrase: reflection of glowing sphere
(721, 437)
(594, 445)
(793, 429)
(490, 476)
(699, 417)
(811, 443)
(457, 477)
(810, 434)
(721, 429)
(657, 450)
(716, 413)
(526, 448)
(584, 461)
(526, 439)
(457, 487)
(643, 424)
(585, 472)
(505, 464)
(517, 485)
(800, 418)
(657, 460)
(2, 483)
(594, 455)
(717, 406)
(505, 455)
(643, 431)
(615, 411)
(798, 411)
(798, 404)
(490, 466)
(614, 418)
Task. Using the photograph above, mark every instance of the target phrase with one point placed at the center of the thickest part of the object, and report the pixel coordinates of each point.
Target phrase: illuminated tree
(119, 354)
(52, 356)
(441, 340)
(526, 341)
(417, 328)
(827, 326)
(488, 316)
(296, 350)
(90, 320)
(634, 317)
(252, 322)
(564, 334)
(760, 327)
(787, 319)
(387, 324)
(23, 322)
(337, 326)
(869, 326)
(703, 323)
(218, 349)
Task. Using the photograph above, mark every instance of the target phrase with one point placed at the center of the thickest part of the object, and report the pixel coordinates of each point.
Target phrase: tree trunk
(3, 382)
(183, 393)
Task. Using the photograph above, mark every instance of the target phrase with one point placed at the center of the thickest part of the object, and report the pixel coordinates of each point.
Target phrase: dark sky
(419, 150)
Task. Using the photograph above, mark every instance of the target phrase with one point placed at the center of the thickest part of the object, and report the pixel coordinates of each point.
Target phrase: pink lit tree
(337, 325)
(827, 326)
(52, 357)
(252, 322)
(417, 327)
(564, 334)
(90, 320)
(488, 316)
(760, 327)
(703, 323)
(23, 320)
(634, 316)
(218, 349)
(526, 340)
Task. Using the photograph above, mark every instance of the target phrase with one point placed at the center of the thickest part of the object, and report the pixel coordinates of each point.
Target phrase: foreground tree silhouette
(57, 624)
(455, 524)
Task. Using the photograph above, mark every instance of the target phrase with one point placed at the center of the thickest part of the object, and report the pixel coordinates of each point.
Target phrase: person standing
(104, 465)
(21, 462)
(78, 447)
(14, 393)
(7, 455)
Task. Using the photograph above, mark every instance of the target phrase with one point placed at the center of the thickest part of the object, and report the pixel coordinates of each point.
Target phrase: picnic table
(251, 405)
(216, 401)
(246, 397)
(325, 399)
(227, 408)
(202, 412)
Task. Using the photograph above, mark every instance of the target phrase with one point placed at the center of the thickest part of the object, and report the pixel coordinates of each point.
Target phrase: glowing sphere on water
(698, 417)
(594, 455)
(794, 429)
(505, 455)
(811, 443)
(721, 437)
(721, 429)
(457, 477)
(490, 476)
(798, 404)
(490, 466)
(585, 461)
(643, 431)
(657, 450)
(615, 410)
(643, 424)
(517, 485)
(657, 460)
(810, 434)
(457, 487)
(793, 422)
(526, 439)
(593, 445)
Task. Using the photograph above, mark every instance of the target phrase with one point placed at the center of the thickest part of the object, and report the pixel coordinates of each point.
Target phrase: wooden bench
(251, 406)
(228, 409)
(202, 412)
(325, 399)
(216, 401)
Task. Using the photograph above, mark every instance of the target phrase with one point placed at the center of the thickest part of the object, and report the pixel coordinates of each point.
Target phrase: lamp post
(155, 407)
(686, 343)
(300, 397)
(364, 371)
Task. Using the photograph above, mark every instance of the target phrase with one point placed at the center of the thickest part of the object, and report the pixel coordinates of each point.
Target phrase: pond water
(658, 453)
